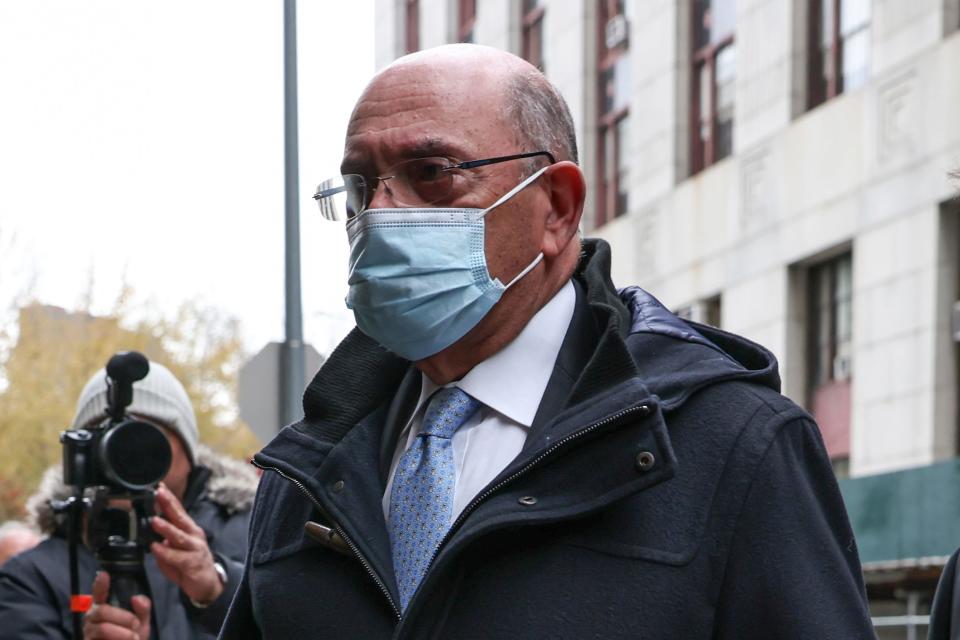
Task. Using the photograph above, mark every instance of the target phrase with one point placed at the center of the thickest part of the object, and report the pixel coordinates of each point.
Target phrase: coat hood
(677, 357)
(640, 339)
(230, 484)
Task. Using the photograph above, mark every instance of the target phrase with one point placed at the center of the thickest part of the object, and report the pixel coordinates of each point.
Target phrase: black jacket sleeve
(945, 611)
(29, 608)
(240, 623)
(793, 570)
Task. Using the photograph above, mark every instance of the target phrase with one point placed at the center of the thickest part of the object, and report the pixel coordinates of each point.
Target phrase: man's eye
(428, 171)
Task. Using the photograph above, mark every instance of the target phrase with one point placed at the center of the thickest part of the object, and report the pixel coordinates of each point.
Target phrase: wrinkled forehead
(454, 86)
(417, 110)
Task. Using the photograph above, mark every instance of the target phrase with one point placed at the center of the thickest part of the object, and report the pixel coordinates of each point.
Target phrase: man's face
(177, 476)
(442, 109)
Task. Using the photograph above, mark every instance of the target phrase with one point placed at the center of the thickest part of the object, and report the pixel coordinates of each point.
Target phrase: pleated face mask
(418, 277)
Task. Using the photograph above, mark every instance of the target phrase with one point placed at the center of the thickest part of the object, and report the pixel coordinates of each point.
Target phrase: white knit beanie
(159, 397)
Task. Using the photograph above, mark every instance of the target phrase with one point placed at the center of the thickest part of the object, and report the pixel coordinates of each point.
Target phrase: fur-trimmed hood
(231, 484)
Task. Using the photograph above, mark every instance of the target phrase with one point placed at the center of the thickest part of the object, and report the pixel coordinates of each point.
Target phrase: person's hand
(106, 622)
(183, 556)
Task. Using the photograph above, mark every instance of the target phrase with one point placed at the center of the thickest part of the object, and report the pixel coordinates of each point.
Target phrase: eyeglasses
(411, 183)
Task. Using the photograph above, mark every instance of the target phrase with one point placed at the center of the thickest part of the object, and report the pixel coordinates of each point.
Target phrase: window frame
(832, 267)
(532, 21)
(411, 20)
(466, 20)
(608, 121)
(836, 420)
(704, 154)
(818, 91)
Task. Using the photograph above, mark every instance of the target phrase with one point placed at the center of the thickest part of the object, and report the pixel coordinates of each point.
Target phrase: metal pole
(291, 383)
(913, 599)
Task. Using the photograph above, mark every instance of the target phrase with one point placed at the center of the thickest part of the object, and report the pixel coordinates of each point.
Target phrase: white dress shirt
(510, 386)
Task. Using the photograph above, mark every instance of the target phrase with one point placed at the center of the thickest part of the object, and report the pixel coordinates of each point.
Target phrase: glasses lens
(409, 184)
(331, 197)
(341, 198)
(356, 194)
(420, 181)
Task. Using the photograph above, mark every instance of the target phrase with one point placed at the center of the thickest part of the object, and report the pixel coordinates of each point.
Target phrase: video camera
(121, 460)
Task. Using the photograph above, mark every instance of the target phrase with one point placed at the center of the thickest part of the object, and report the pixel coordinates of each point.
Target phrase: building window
(531, 34)
(411, 20)
(839, 48)
(830, 323)
(467, 18)
(714, 70)
(613, 73)
(705, 311)
(946, 357)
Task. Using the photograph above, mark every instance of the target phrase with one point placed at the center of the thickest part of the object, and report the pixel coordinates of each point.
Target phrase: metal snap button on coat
(337, 486)
(644, 461)
(527, 501)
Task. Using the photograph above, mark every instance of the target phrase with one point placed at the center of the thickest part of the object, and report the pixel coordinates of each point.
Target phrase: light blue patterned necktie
(421, 499)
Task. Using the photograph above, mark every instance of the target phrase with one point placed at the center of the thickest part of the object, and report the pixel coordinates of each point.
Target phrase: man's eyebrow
(360, 163)
(434, 147)
(353, 164)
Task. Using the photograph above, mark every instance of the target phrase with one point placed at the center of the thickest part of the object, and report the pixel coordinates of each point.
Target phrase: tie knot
(449, 408)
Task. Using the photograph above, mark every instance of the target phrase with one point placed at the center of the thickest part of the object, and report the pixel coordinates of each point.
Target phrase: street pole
(291, 377)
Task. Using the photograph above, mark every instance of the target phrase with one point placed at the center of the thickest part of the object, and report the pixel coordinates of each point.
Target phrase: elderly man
(16, 537)
(508, 447)
(203, 505)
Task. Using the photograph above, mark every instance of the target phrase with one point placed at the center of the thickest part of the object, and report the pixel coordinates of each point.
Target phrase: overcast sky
(145, 139)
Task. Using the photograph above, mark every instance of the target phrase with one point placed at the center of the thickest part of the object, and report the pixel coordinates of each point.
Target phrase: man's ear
(566, 190)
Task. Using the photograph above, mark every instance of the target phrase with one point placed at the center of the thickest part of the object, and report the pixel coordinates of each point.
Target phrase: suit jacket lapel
(398, 414)
(575, 352)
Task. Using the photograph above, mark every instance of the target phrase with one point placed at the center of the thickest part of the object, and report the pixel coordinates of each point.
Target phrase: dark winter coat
(35, 585)
(666, 490)
(945, 610)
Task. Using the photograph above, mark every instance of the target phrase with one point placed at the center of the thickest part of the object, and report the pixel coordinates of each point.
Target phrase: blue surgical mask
(418, 277)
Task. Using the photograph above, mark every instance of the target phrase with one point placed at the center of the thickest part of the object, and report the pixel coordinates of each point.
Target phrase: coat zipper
(341, 532)
(642, 408)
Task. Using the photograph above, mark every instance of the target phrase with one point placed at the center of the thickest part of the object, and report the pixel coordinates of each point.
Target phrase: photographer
(202, 513)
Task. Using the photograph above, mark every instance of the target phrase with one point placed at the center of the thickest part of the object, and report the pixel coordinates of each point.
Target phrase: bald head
(473, 69)
(463, 56)
(517, 94)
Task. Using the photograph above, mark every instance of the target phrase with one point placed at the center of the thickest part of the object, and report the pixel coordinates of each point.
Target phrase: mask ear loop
(509, 194)
(527, 270)
(517, 189)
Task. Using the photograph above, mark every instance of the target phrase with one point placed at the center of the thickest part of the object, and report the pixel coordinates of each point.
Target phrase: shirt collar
(513, 380)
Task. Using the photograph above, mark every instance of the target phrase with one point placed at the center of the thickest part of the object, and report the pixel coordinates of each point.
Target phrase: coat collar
(360, 380)
(616, 340)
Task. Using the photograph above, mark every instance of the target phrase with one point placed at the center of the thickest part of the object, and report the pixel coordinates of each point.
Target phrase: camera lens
(135, 454)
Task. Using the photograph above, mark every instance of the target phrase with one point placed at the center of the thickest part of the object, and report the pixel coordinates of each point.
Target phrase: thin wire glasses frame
(416, 182)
